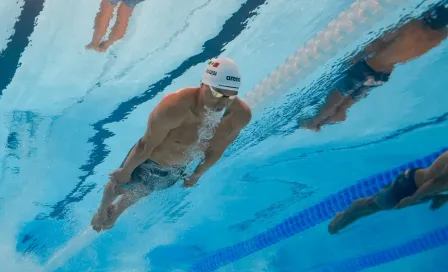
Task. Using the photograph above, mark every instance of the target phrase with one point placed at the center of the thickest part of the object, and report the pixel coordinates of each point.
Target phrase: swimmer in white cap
(178, 129)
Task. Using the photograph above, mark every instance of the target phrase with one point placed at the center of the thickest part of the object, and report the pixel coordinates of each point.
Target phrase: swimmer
(125, 8)
(159, 159)
(374, 65)
(412, 187)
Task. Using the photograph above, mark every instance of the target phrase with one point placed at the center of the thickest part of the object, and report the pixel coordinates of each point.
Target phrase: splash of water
(75, 245)
(195, 153)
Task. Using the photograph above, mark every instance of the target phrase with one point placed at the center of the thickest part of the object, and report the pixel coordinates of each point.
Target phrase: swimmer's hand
(310, 124)
(120, 176)
(190, 182)
(438, 201)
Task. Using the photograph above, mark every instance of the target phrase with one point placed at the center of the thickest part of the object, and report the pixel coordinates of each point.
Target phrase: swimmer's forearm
(139, 153)
(200, 170)
(210, 159)
(432, 187)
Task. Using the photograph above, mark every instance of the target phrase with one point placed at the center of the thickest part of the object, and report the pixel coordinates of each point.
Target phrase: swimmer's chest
(187, 134)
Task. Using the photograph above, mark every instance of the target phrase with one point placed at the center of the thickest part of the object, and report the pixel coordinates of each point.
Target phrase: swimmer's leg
(126, 200)
(360, 208)
(327, 110)
(119, 30)
(110, 193)
(108, 212)
(340, 113)
(129, 198)
(102, 20)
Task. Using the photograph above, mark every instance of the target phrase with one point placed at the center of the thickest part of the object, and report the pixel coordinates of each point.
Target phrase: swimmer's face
(217, 98)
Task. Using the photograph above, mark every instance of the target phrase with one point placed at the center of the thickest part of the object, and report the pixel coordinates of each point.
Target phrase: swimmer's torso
(177, 147)
(408, 42)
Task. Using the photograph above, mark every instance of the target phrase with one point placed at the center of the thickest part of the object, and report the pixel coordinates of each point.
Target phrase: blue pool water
(69, 116)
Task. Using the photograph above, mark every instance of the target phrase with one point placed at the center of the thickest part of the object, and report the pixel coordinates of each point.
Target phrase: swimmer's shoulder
(182, 99)
(242, 112)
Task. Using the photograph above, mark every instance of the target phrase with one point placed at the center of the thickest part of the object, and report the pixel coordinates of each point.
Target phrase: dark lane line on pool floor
(23, 28)
(211, 48)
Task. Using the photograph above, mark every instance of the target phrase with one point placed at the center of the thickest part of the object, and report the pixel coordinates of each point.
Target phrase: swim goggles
(218, 94)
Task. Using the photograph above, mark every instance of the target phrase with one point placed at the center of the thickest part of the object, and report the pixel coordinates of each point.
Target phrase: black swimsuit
(150, 176)
(359, 79)
(437, 17)
(403, 186)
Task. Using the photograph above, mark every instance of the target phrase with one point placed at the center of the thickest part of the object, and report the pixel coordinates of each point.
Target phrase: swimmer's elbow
(143, 147)
(141, 144)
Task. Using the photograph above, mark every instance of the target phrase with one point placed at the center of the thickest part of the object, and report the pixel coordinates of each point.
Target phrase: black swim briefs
(403, 186)
(437, 17)
(360, 78)
(150, 176)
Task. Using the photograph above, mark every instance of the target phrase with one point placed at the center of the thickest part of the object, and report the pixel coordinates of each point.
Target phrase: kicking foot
(98, 220)
(104, 220)
(337, 223)
(112, 216)
(104, 46)
(92, 46)
(96, 47)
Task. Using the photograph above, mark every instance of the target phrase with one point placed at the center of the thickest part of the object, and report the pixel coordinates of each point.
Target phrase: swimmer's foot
(98, 220)
(104, 46)
(112, 216)
(311, 125)
(337, 223)
(92, 46)
(104, 220)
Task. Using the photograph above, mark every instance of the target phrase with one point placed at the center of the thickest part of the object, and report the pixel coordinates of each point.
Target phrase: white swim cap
(222, 73)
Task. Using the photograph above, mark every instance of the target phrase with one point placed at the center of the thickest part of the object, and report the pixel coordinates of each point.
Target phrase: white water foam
(70, 249)
(206, 132)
